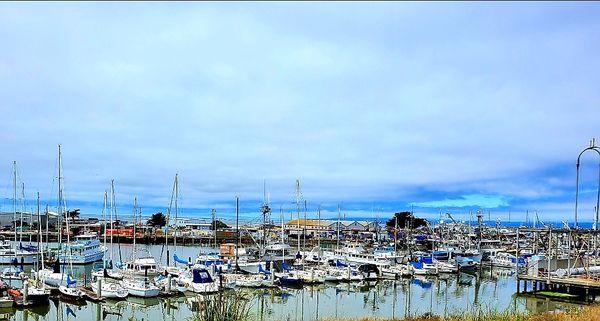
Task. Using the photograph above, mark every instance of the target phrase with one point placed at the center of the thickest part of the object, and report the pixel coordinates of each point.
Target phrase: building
(315, 227)
(7, 221)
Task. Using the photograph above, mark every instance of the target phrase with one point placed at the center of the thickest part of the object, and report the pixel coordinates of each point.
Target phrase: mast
(21, 214)
(15, 201)
(66, 211)
(104, 219)
(39, 218)
(304, 232)
(60, 197)
(266, 211)
(298, 212)
(396, 234)
(47, 219)
(319, 229)
(135, 205)
(237, 228)
(112, 209)
(214, 220)
(282, 236)
(176, 190)
(338, 229)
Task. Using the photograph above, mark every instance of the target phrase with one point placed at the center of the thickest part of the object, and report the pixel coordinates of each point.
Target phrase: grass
(586, 313)
(224, 306)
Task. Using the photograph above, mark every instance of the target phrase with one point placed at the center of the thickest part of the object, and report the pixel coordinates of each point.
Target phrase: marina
(440, 295)
(281, 161)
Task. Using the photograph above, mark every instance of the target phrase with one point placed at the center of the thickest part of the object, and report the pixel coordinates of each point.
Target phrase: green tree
(405, 219)
(157, 220)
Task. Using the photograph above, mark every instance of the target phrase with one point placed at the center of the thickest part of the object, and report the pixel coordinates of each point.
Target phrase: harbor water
(490, 289)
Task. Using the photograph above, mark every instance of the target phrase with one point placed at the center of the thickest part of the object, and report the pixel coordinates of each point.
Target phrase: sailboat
(174, 270)
(54, 276)
(38, 295)
(13, 254)
(132, 282)
(105, 285)
(108, 269)
(70, 290)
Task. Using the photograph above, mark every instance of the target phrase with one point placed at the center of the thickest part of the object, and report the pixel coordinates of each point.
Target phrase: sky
(434, 107)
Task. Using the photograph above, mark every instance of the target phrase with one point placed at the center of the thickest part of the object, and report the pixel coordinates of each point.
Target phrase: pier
(566, 261)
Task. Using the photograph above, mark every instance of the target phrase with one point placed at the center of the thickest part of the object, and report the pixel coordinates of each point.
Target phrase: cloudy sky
(382, 107)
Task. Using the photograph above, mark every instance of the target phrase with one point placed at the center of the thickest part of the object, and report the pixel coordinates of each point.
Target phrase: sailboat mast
(176, 190)
(63, 205)
(282, 236)
(319, 228)
(214, 222)
(135, 204)
(104, 220)
(298, 212)
(60, 196)
(338, 229)
(264, 212)
(304, 231)
(15, 200)
(237, 228)
(47, 227)
(21, 214)
(39, 219)
(112, 199)
(396, 234)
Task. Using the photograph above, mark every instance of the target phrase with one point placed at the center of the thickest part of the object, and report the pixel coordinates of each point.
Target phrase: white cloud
(360, 101)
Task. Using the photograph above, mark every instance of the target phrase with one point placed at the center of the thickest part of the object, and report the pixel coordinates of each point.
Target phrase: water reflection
(444, 295)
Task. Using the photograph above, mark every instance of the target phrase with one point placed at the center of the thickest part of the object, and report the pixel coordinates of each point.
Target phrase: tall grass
(587, 313)
(223, 306)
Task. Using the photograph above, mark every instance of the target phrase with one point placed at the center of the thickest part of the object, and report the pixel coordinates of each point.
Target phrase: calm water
(493, 289)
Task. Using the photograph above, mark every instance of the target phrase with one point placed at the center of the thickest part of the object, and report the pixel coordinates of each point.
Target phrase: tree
(219, 225)
(157, 219)
(405, 219)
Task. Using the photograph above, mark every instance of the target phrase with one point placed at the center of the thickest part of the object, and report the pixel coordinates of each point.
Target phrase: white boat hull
(141, 289)
(28, 258)
(111, 290)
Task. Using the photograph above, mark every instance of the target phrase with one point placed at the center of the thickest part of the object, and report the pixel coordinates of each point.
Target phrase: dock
(564, 250)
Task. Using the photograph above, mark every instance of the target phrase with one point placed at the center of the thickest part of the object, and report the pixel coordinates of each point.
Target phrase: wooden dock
(588, 288)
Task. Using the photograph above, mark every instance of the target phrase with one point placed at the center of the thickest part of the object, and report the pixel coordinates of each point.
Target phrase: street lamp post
(595, 148)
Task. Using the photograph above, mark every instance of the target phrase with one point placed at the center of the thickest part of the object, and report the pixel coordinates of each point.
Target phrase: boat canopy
(178, 260)
(201, 276)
